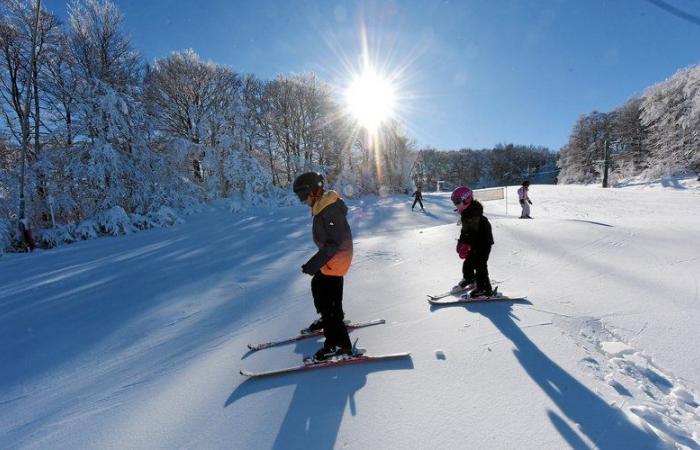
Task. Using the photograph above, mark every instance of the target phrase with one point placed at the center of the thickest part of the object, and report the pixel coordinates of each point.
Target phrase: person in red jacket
(332, 235)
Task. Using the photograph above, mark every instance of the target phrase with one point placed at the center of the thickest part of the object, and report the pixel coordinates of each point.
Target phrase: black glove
(305, 269)
(522, 202)
(529, 201)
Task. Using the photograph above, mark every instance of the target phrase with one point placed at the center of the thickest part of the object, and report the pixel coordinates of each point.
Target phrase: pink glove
(463, 249)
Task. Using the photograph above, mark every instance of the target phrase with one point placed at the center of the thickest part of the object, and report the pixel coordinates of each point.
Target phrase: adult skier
(524, 200)
(474, 244)
(419, 199)
(332, 235)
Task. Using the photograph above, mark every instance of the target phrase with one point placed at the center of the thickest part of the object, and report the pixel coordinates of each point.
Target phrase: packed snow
(137, 341)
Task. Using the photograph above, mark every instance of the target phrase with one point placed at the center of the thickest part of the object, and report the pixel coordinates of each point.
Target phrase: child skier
(524, 200)
(474, 244)
(332, 235)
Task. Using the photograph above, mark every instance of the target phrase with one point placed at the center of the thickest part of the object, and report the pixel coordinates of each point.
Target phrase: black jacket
(332, 235)
(476, 229)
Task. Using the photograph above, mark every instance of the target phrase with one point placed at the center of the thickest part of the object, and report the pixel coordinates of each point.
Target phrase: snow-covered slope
(136, 342)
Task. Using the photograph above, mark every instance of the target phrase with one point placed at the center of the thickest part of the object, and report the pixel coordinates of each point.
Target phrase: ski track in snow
(630, 380)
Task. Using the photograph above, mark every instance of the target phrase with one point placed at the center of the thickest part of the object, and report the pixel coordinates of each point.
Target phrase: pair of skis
(305, 334)
(462, 296)
(337, 361)
(458, 296)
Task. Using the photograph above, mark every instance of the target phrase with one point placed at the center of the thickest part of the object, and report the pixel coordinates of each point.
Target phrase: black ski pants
(328, 299)
(475, 268)
(417, 200)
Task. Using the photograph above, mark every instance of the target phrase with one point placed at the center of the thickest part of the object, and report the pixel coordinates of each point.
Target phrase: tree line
(90, 130)
(502, 165)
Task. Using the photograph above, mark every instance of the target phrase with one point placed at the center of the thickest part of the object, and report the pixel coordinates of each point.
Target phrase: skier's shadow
(605, 425)
(317, 407)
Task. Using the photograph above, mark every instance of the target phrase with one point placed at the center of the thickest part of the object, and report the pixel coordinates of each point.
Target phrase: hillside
(136, 341)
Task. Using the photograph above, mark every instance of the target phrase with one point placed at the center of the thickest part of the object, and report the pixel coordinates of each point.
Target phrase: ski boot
(334, 353)
(463, 285)
(316, 325)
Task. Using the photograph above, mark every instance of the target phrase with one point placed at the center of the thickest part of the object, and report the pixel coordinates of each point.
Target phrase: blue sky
(476, 72)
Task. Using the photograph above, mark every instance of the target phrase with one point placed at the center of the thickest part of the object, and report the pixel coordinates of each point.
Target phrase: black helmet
(526, 183)
(307, 183)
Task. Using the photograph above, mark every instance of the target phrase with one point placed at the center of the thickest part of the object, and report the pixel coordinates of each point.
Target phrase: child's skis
(496, 296)
(306, 335)
(456, 291)
(453, 291)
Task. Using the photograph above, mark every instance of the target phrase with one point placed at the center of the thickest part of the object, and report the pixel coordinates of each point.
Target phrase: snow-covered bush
(5, 235)
(140, 222)
(59, 235)
(114, 221)
(164, 217)
(276, 197)
(87, 229)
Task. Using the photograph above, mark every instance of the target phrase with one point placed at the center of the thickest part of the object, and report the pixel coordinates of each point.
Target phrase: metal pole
(605, 163)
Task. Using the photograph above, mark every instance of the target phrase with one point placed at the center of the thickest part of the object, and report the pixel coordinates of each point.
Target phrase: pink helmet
(462, 197)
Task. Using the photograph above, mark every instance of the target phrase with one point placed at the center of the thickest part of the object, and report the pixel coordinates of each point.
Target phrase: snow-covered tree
(184, 95)
(504, 164)
(109, 71)
(192, 100)
(60, 81)
(655, 134)
(580, 159)
(671, 113)
(628, 153)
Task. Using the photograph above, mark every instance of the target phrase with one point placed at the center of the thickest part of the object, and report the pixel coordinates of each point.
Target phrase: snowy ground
(136, 342)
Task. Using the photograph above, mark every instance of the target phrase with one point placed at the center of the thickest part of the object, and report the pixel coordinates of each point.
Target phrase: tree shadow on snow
(316, 409)
(79, 297)
(606, 426)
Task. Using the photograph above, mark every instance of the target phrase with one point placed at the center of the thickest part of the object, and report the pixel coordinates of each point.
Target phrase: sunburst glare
(370, 99)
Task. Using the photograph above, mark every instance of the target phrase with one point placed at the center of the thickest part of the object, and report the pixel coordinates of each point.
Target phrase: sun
(370, 99)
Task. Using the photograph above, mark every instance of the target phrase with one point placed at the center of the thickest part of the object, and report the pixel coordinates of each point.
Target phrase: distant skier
(524, 200)
(332, 235)
(474, 244)
(419, 199)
